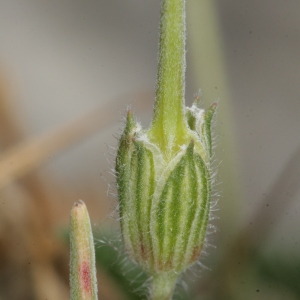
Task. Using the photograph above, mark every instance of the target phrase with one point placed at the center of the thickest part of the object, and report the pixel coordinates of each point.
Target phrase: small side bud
(83, 280)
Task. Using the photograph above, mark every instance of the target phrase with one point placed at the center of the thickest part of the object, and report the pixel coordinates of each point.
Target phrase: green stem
(163, 286)
(169, 128)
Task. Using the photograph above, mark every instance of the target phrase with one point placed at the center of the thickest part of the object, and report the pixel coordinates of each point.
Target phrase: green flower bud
(165, 201)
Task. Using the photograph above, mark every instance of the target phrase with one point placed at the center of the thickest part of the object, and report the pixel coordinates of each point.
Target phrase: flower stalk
(168, 128)
(163, 286)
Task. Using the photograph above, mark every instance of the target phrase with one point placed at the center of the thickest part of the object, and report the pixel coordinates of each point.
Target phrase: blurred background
(69, 70)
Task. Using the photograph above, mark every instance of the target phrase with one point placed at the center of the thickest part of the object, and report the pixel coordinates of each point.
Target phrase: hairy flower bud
(165, 199)
(83, 281)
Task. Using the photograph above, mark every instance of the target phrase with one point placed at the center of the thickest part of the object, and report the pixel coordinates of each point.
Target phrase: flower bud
(165, 199)
(83, 281)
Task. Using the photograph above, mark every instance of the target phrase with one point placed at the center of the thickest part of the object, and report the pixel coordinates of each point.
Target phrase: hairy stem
(169, 128)
(163, 286)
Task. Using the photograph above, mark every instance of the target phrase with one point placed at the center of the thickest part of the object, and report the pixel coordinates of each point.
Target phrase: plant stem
(163, 286)
(168, 128)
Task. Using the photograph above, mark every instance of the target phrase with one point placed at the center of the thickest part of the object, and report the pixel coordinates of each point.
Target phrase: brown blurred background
(68, 71)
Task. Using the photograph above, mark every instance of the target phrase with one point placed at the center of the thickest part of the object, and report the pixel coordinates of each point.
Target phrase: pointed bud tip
(197, 100)
(79, 203)
(211, 111)
(83, 281)
(129, 115)
(130, 123)
(78, 210)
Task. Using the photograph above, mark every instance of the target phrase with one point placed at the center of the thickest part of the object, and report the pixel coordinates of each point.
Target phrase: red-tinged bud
(83, 280)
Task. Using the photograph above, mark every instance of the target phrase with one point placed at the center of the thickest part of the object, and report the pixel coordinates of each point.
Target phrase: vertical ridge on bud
(180, 213)
(136, 176)
(123, 158)
(123, 162)
(188, 209)
(206, 128)
(199, 223)
(142, 182)
(83, 281)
